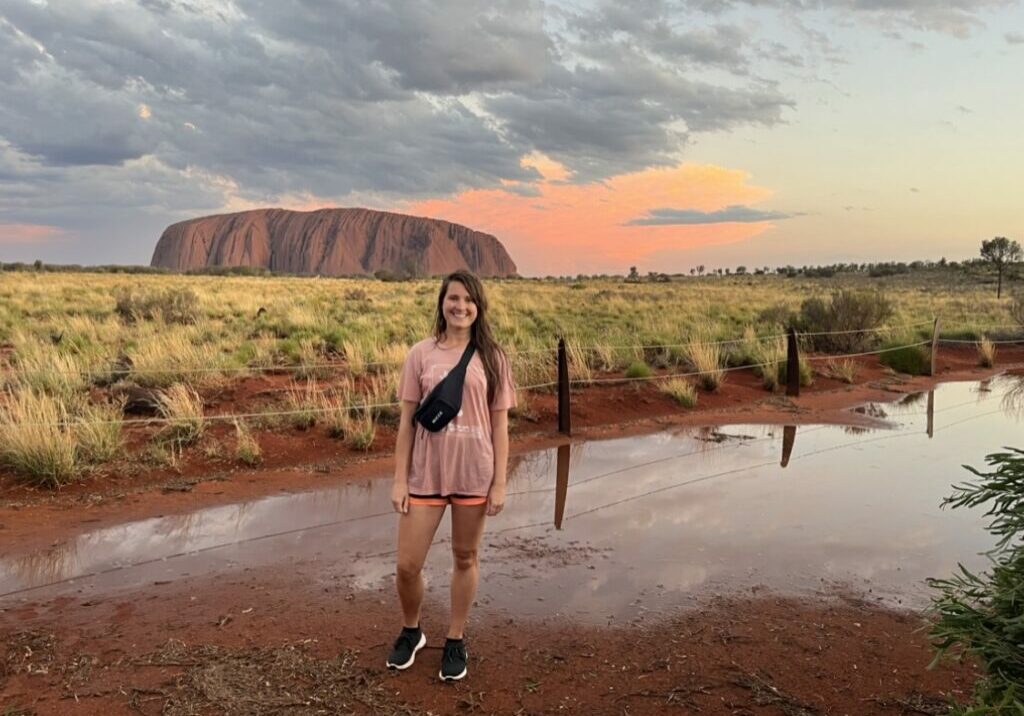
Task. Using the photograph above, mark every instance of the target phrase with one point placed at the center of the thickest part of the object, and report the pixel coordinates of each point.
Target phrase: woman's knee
(464, 558)
(408, 570)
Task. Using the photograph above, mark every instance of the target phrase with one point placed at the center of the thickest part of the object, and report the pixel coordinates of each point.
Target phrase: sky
(588, 136)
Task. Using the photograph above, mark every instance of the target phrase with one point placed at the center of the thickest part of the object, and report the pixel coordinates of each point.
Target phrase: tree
(1000, 251)
(634, 275)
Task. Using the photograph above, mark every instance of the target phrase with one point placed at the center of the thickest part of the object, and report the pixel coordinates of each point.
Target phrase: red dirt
(835, 655)
(763, 655)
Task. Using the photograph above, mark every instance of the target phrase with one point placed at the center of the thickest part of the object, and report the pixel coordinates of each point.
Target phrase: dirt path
(268, 643)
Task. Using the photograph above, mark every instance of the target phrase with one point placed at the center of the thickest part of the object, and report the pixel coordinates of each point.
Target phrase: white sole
(406, 665)
(451, 678)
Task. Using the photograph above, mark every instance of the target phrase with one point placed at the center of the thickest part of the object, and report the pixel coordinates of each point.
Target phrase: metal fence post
(792, 365)
(935, 343)
(564, 423)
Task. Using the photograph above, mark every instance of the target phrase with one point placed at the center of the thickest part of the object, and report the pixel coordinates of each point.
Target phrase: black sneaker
(407, 644)
(453, 663)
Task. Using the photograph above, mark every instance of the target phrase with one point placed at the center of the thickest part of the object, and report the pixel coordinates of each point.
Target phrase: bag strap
(467, 356)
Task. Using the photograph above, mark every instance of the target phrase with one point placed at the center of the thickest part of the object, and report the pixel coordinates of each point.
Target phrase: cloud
(728, 215)
(1014, 38)
(28, 234)
(584, 228)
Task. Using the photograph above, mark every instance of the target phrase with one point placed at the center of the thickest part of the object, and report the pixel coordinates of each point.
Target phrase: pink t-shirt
(459, 459)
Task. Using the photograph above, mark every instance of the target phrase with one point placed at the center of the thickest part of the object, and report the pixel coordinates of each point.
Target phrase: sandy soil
(285, 644)
(285, 641)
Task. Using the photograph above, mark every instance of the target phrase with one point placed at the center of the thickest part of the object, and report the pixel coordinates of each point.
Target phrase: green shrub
(638, 369)
(982, 615)
(912, 360)
(846, 310)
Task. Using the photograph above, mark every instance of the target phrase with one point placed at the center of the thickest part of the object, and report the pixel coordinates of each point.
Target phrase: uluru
(330, 242)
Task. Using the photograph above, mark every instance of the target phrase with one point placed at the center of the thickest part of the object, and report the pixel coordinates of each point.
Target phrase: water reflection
(692, 510)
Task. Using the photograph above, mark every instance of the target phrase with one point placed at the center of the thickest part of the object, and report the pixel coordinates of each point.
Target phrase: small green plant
(681, 390)
(638, 369)
(986, 353)
(182, 407)
(36, 440)
(247, 449)
(981, 615)
(912, 360)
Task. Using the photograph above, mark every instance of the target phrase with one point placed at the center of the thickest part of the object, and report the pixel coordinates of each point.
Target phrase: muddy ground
(280, 641)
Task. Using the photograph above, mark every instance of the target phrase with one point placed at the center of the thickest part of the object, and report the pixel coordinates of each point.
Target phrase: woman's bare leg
(416, 530)
(467, 531)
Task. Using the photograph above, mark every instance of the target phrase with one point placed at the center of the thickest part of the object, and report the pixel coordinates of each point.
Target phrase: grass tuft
(706, 356)
(844, 369)
(99, 432)
(986, 353)
(247, 449)
(638, 369)
(36, 441)
(681, 390)
(183, 408)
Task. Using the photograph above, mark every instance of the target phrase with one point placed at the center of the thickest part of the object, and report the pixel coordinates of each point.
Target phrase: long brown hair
(491, 354)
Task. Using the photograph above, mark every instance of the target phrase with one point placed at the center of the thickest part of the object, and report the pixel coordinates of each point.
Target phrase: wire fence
(326, 409)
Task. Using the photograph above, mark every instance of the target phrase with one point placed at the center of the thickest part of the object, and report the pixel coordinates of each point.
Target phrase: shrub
(99, 432)
(846, 311)
(174, 305)
(682, 391)
(182, 407)
(981, 614)
(638, 369)
(247, 450)
(986, 353)
(35, 439)
(912, 360)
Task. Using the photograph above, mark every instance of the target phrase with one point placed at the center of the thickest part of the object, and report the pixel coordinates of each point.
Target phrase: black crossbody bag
(445, 400)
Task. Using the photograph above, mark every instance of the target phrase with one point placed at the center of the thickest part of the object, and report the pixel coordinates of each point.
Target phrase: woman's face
(459, 308)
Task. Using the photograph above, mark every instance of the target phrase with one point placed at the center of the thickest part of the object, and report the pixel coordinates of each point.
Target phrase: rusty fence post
(792, 365)
(936, 329)
(564, 423)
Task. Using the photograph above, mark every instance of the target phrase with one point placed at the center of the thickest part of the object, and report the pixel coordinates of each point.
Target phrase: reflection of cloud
(45, 566)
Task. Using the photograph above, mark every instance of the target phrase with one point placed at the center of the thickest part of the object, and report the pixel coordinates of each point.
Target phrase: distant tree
(634, 275)
(741, 270)
(700, 270)
(1000, 251)
(693, 271)
(37, 265)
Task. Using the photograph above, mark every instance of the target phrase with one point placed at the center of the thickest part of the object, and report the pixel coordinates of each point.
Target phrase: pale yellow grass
(247, 449)
(986, 353)
(681, 390)
(182, 407)
(706, 357)
(36, 440)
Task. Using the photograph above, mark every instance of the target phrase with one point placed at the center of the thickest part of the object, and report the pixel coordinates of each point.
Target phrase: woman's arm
(403, 457)
(499, 440)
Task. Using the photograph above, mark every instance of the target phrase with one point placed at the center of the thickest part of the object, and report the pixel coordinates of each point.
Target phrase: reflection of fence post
(561, 484)
(935, 343)
(931, 413)
(564, 425)
(792, 365)
(788, 438)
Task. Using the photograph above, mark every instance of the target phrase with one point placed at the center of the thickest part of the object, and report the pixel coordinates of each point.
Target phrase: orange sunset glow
(583, 228)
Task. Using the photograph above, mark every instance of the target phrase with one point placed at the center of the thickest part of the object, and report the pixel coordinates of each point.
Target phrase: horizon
(664, 136)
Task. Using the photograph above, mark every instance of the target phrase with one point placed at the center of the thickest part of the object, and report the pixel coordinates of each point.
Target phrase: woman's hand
(400, 497)
(495, 499)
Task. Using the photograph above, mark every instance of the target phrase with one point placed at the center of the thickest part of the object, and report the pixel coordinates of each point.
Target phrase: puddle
(619, 529)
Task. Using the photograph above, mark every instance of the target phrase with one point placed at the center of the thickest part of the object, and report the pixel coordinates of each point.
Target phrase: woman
(463, 465)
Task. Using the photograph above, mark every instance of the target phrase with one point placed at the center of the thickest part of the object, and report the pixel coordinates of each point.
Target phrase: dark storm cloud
(730, 214)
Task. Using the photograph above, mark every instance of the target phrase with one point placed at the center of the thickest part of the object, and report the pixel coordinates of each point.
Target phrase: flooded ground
(621, 529)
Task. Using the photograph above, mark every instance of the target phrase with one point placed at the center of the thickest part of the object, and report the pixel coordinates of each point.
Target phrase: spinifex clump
(982, 615)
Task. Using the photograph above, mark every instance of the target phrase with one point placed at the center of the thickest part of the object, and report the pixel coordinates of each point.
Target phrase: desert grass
(304, 403)
(247, 449)
(639, 369)
(844, 369)
(580, 371)
(99, 431)
(768, 354)
(706, 357)
(36, 440)
(986, 353)
(681, 390)
(182, 407)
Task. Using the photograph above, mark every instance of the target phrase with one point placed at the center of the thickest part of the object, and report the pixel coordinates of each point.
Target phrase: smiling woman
(464, 464)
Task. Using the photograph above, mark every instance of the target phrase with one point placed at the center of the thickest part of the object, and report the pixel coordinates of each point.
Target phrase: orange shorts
(446, 500)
